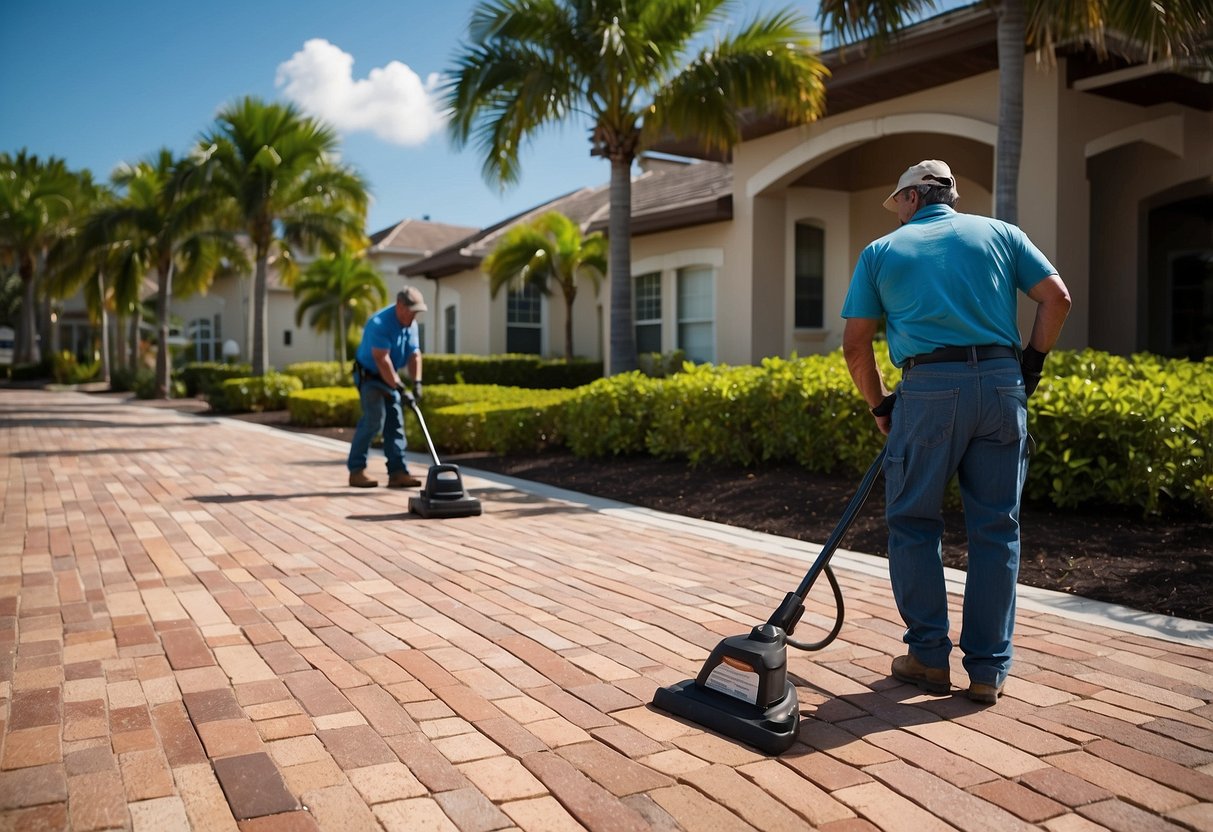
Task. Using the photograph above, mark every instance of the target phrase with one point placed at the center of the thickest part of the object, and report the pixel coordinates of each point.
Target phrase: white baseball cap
(926, 172)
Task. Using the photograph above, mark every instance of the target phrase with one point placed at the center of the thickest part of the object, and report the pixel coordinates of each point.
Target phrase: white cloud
(392, 101)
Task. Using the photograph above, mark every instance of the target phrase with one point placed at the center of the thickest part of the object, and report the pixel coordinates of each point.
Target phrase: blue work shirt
(384, 332)
(945, 279)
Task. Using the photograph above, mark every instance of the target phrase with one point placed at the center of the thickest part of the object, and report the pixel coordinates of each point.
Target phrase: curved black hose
(818, 645)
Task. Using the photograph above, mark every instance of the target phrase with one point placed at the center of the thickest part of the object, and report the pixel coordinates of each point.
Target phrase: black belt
(983, 353)
(364, 371)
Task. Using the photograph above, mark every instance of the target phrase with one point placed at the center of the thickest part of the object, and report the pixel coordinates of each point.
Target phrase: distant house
(221, 315)
(738, 258)
(674, 204)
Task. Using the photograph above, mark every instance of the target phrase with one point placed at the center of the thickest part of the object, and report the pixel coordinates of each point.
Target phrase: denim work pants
(381, 413)
(969, 419)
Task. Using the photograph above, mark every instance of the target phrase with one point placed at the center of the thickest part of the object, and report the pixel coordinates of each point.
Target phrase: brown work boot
(931, 679)
(402, 479)
(359, 479)
(985, 694)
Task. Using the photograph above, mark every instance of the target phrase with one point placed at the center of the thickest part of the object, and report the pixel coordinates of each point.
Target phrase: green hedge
(324, 407)
(1132, 432)
(1123, 431)
(322, 373)
(509, 370)
(256, 394)
(461, 417)
(204, 378)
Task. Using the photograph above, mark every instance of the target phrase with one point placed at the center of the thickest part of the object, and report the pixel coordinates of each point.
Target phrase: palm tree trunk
(27, 325)
(341, 335)
(261, 354)
(1012, 27)
(105, 328)
(119, 338)
(163, 385)
(623, 334)
(568, 328)
(136, 322)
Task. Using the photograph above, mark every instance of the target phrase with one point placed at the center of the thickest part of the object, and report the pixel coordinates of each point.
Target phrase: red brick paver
(202, 628)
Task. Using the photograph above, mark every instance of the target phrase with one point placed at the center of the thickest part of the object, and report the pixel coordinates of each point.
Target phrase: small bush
(321, 374)
(510, 370)
(31, 372)
(612, 416)
(324, 407)
(144, 383)
(256, 394)
(204, 378)
(67, 369)
(513, 424)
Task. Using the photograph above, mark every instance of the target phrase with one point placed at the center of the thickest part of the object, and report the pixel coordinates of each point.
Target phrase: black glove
(417, 390)
(886, 405)
(1031, 365)
(406, 396)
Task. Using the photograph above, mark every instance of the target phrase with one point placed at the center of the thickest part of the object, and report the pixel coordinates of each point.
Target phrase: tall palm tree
(624, 65)
(549, 250)
(161, 223)
(1174, 29)
(36, 205)
(80, 267)
(279, 174)
(340, 291)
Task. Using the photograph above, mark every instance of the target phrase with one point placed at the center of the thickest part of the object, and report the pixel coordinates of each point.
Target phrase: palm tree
(80, 267)
(161, 223)
(279, 174)
(36, 205)
(1175, 29)
(533, 63)
(550, 249)
(341, 292)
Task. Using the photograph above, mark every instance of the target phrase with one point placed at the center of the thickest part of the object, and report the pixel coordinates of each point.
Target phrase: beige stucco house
(740, 258)
(220, 316)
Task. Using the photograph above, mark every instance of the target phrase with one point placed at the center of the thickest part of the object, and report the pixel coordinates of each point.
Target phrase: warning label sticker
(735, 679)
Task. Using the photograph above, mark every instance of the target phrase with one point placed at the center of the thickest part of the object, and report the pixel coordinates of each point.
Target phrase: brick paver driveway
(202, 628)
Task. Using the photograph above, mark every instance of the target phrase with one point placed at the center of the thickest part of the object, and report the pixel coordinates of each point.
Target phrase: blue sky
(99, 83)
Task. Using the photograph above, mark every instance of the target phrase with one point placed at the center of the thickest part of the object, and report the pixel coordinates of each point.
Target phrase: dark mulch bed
(1160, 564)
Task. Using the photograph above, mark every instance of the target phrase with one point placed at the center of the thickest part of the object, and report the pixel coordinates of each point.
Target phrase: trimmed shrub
(1122, 431)
(510, 370)
(256, 394)
(324, 407)
(67, 369)
(513, 424)
(321, 374)
(611, 416)
(204, 378)
(31, 372)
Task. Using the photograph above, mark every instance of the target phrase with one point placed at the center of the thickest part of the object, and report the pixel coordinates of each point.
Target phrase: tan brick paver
(202, 628)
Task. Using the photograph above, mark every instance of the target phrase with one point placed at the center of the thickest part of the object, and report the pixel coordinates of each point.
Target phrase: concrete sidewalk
(202, 628)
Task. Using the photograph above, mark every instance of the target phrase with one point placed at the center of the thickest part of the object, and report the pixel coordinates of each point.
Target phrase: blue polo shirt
(384, 332)
(945, 279)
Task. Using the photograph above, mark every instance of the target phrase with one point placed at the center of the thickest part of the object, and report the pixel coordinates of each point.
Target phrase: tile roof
(669, 196)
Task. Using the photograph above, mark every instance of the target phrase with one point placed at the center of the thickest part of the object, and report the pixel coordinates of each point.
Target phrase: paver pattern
(202, 628)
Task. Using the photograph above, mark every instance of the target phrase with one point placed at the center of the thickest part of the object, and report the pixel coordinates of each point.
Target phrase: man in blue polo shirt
(389, 340)
(946, 285)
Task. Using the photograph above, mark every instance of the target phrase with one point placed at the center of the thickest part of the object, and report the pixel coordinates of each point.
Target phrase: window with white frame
(524, 321)
(696, 310)
(207, 337)
(646, 316)
(809, 276)
(448, 326)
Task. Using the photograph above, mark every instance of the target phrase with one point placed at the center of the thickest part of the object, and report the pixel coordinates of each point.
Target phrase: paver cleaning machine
(743, 690)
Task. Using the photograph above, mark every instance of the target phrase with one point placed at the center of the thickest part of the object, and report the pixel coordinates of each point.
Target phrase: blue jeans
(380, 414)
(969, 419)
